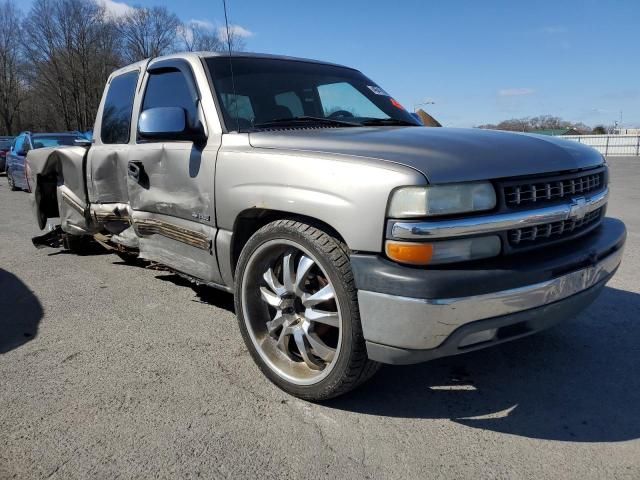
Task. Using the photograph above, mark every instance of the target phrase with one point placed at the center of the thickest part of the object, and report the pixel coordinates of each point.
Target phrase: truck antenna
(233, 82)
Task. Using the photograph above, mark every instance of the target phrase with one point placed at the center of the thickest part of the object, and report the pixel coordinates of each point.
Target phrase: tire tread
(359, 368)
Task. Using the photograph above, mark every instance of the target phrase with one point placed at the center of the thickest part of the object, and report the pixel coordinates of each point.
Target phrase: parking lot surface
(115, 371)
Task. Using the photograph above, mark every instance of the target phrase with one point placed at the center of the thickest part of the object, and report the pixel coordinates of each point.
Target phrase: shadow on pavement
(20, 312)
(578, 382)
(205, 294)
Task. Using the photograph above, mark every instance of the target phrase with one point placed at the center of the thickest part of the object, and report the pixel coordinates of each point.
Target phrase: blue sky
(479, 61)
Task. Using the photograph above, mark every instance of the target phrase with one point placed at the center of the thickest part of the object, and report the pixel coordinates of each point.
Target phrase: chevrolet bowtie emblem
(578, 208)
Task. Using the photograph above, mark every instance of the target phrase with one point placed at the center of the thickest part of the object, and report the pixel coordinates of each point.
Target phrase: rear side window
(169, 88)
(116, 117)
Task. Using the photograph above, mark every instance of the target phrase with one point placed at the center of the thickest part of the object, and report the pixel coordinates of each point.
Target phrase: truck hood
(443, 155)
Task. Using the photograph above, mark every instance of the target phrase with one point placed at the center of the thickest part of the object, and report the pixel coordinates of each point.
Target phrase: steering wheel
(341, 114)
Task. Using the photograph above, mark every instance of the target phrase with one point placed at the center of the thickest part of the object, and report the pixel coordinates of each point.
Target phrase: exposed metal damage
(149, 226)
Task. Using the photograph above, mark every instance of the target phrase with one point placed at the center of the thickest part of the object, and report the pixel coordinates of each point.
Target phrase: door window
(169, 88)
(116, 116)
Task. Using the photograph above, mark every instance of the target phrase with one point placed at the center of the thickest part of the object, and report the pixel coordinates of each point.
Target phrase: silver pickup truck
(350, 235)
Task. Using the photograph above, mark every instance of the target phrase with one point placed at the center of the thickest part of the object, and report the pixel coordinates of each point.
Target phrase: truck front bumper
(411, 315)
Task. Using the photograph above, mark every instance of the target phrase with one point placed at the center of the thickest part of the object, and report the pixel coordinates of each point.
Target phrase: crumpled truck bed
(57, 177)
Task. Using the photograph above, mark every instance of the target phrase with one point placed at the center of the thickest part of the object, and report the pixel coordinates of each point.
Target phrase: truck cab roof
(208, 54)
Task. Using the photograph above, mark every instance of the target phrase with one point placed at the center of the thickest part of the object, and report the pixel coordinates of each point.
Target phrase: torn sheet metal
(107, 173)
(58, 187)
(183, 245)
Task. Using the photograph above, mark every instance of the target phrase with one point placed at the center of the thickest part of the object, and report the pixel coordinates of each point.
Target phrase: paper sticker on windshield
(377, 90)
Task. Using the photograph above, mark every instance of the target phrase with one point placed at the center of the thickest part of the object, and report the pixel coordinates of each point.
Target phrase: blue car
(16, 166)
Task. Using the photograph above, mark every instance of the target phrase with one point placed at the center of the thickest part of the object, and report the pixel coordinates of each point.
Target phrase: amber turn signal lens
(411, 253)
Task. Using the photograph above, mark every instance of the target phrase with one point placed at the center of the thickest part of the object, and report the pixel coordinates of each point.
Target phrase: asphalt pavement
(115, 371)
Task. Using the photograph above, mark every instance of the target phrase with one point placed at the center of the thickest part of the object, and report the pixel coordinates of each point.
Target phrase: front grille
(529, 236)
(549, 189)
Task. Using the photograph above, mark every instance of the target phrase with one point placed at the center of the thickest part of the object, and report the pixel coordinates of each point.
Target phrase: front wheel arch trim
(251, 220)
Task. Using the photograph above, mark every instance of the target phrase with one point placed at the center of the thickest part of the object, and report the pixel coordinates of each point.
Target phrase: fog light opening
(478, 337)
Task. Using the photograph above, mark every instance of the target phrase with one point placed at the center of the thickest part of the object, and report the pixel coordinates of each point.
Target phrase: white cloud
(236, 31)
(515, 92)
(204, 24)
(115, 9)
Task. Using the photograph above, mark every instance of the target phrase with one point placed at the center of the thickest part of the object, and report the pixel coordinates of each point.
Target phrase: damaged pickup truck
(349, 235)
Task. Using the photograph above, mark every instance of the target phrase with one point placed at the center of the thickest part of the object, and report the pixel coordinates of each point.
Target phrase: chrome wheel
(291, 312)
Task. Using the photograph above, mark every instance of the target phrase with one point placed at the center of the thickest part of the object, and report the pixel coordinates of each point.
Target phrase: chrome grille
(539, 191)
(552, 231)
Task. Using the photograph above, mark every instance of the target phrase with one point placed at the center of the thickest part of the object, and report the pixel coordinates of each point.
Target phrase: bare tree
(71, 50)
(196, 37)
(53, 64)
(148, 32)
(541, 122)
(12, 92)
(235, 39)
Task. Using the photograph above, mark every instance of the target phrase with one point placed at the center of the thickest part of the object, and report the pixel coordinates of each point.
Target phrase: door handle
(134, 170)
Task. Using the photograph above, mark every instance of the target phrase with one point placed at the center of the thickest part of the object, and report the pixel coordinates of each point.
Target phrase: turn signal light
(410, 253)
(445, 251)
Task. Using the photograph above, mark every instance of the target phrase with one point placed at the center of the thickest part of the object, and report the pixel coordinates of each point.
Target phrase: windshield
(268, 92)
(53, 140)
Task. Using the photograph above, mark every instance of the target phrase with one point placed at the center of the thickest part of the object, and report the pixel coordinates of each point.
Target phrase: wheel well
(250, 221)
(48, 200)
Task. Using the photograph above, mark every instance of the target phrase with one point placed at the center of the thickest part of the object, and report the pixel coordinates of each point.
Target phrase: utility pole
(620, 120)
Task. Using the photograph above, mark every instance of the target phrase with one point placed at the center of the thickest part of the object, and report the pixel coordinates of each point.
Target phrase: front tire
(298, 312)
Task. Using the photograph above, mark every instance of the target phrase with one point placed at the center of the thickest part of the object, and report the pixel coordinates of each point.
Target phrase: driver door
(170, 182)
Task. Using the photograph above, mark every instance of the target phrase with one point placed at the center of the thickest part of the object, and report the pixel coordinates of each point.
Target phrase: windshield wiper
(387, 121)
(304, 120)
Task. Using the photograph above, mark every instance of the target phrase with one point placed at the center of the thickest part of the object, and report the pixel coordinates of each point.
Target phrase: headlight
(445, 251)
(431, 200)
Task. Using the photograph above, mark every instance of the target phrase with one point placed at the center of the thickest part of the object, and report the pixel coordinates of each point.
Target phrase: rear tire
(297, 310)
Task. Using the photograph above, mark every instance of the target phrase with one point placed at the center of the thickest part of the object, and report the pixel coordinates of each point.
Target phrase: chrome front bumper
(413, 324)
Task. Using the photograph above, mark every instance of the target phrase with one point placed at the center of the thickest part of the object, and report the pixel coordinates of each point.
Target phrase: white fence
(610, 145)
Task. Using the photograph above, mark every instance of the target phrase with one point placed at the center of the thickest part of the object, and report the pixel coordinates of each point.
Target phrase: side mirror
(167, 123)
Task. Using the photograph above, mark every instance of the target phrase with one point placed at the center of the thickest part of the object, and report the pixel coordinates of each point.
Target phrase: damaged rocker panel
(148, 226)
